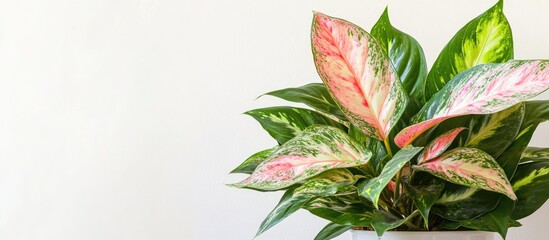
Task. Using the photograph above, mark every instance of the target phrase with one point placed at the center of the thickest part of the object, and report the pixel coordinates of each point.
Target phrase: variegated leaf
(284, 123)
(313, 95)
(289, 203)
(327, 183)
(459, 203)
(249, 165)
(470, 167)
(372, 188)
(324, 184)
(495, 132)
(483, 89)
(485, 39)
(531, 184)
(358, 74)
(436, 147)
(332, 230)
(404, 51)
(317, 149)
(346, 209)
(535, 154)
(424, 195)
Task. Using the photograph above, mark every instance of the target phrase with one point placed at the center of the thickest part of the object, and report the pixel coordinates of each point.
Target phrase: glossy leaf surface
(436, 147)
(358, 74)
(495, 132)
(284, 123)
(531, 184)
(346, 209)
(425, 196)
(372, 188)
(469, 167)
(332, 230)
(313, 95)
(317, 149)
(484, 89)
(485, 39)
(404, 51)
(249, 165)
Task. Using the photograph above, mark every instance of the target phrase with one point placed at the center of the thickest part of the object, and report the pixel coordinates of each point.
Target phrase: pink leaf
(470, 167)
(484, 89)
(439, 145)
(358, 74)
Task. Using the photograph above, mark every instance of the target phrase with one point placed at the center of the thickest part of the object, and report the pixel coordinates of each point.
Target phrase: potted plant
(389, 145)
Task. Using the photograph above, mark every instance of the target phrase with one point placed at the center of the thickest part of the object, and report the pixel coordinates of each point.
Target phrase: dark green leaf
(288, 204)
(499, 219)
(404, 51)
(345, 209)
(372, 188)
(424, 195)
(531, 184)
(383, 221)
(332, 230)
(284, 123)
(249, 165)
(313, 95)
(458, 203)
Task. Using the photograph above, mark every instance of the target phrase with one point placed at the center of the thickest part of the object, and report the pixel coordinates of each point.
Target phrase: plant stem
(410, 225)
(388, 147)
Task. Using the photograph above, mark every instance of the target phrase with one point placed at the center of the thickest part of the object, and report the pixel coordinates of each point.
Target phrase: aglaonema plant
(386, 144)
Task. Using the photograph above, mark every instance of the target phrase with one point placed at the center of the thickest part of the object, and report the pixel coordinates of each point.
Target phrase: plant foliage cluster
(388, 144)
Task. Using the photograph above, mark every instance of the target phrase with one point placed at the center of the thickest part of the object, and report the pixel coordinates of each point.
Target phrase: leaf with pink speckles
(470, 167)
(358, 74)
(439, 145)
(484, 89)
(315, 150)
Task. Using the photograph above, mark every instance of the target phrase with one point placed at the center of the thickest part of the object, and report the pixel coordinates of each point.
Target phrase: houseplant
(388, 145)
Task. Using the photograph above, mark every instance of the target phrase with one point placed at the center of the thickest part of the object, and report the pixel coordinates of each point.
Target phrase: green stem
(388, 147)
(407, 220)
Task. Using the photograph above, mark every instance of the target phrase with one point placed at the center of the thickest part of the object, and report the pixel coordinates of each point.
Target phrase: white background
(121, 119)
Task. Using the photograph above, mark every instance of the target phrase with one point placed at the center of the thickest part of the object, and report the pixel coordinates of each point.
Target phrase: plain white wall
(120, 119)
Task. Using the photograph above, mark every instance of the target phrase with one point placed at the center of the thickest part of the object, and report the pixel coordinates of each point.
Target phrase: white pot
(449, 235)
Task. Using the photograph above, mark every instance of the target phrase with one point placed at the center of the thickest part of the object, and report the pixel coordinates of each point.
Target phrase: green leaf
(313, 95)
(284, 123)
(289, 203)
(495, 132)
(324, 184)
(469, 167)
(485, 39)
(499, 220)
(537, 153)
(459, 203)
(475, 224)
(404, 51)
(383, 221)
(249, 165)
(345, 209)
(372, 188)
(332, 230)
(424, 196)
(531, 184)
(317, 149)
(536, 113)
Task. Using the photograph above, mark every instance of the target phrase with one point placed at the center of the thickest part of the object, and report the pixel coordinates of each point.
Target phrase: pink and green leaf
(358, 74)
(470, 167)
(483, 89)
(315, 150)
(436, 147)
